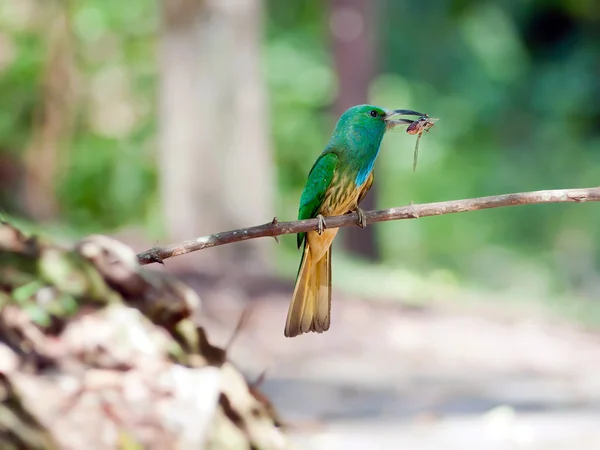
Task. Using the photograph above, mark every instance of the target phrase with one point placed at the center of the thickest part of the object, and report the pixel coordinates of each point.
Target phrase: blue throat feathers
(365, 171)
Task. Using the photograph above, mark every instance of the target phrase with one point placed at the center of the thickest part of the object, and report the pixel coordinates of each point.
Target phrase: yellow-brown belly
(339, 199)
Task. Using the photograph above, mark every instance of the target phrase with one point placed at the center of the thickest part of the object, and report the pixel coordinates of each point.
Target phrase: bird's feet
(321, 225)
(362, 220)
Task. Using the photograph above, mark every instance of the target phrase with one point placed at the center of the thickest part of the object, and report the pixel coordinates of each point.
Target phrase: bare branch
(275, 228)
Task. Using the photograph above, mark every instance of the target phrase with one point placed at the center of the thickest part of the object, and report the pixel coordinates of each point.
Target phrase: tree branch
(275, 228)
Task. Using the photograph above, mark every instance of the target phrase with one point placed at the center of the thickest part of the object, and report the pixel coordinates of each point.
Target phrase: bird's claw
(362, 220)
(321, 225)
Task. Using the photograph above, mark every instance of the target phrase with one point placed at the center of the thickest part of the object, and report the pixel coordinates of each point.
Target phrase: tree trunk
(351, 23)
(216, 171)
(54, 120)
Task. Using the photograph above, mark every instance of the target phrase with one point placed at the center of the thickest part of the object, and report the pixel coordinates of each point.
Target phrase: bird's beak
(391, 120)
(402, 112)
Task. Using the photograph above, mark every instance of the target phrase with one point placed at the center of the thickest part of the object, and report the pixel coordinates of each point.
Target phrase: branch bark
(275, 228)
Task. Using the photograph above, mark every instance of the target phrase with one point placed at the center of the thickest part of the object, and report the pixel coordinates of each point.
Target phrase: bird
(337, 182)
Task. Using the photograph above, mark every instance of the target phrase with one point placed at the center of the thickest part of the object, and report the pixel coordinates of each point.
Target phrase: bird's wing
(319, 179)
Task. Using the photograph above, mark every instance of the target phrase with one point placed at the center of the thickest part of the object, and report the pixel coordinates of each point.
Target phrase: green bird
(337, 183)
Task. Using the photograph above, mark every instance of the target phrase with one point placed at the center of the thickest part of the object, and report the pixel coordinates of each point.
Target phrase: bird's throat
(366, 168)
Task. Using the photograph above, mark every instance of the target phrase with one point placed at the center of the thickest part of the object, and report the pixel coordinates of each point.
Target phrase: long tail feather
(310, 308)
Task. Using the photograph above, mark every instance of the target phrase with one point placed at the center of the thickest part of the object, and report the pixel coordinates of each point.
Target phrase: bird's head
(370, 122)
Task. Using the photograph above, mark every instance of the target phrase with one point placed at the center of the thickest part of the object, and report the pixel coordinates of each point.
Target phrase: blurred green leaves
(517, 93)
(492, 37)
(515, 85)
(108, 176)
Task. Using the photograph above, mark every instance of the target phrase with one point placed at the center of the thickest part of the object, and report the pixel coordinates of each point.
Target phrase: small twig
(242, 322)
(274, 222)
(275, 228)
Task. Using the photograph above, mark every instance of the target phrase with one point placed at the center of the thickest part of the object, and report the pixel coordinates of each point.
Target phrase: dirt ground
(386, 376)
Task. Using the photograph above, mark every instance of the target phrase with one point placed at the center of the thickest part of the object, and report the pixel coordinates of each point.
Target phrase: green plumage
(351, 152)
(319, 179)
(337, 182)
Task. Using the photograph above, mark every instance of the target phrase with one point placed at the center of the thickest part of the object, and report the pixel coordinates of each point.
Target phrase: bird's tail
(310, 308)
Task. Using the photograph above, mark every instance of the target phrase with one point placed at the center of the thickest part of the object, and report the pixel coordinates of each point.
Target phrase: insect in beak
(418, 127)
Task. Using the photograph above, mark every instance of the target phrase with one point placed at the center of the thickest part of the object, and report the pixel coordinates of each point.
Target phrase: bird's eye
(373, 113)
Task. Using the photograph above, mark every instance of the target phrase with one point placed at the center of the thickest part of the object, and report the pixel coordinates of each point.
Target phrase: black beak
(391, 122)
(403, 112)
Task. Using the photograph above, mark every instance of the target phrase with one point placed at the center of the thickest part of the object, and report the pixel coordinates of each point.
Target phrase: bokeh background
(162, 121)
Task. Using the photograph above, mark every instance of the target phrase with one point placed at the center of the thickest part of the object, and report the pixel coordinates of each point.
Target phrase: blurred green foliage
(515, 85)
(109, 176)
(517, 91)
(112, 172)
